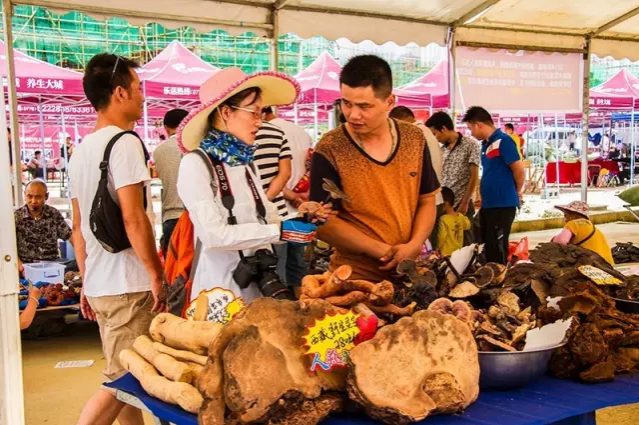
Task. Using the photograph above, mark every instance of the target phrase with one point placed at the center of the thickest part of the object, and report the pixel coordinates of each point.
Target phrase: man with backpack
(114, 240)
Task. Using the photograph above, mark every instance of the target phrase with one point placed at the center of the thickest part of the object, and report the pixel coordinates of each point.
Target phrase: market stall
(449, 341)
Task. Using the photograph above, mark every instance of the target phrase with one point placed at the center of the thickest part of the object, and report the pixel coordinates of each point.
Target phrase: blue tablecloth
(546, 401)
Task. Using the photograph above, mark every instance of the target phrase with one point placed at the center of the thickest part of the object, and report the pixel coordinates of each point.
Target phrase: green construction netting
(71, 39)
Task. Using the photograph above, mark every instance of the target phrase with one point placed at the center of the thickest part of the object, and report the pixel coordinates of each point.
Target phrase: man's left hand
(398, 253)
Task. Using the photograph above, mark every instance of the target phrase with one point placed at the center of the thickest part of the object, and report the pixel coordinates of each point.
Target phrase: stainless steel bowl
(507, 370)
(627, 306)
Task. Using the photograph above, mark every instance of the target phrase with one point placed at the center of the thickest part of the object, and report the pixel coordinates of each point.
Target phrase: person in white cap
(234, 222)
(580, 231)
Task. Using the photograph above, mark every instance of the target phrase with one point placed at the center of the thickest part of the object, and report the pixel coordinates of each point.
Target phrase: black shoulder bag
(587, 238)
(106, 219)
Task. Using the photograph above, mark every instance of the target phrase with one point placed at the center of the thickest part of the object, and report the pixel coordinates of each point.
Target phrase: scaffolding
(71, 39)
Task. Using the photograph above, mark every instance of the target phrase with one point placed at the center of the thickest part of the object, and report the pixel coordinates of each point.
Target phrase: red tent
(434, 82)
(176, 73)
(320, 81)
(40, 78)
(624, 83)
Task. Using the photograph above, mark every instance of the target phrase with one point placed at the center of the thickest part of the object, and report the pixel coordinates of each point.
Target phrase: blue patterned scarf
(227, 148)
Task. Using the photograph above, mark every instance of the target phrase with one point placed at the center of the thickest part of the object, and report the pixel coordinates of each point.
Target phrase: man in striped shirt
(273, 161)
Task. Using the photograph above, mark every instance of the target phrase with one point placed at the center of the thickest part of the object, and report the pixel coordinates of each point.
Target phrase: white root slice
(168, 366)
(181, 355)
(179, 393)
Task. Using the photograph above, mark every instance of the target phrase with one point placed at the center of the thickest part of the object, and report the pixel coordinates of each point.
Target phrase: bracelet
(34, 299)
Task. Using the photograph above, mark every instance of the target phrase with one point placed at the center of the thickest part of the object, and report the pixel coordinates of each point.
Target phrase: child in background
(451, 225)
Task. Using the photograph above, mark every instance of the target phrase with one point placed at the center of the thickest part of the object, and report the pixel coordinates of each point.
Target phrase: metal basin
(627, 306)
(508, 370)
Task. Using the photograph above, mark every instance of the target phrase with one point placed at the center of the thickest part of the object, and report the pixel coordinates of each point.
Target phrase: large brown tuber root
(180, 393)
(184, 334)
(443, 376)
(258, 361)
(184, 356)
(169, 367)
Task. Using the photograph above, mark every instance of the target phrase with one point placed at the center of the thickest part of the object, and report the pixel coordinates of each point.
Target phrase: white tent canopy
(613, 25)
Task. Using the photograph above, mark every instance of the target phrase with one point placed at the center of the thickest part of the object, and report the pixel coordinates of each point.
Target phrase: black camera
(261, 269)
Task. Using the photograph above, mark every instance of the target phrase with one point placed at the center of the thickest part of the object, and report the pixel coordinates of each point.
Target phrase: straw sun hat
(577, 207)
(277, 89)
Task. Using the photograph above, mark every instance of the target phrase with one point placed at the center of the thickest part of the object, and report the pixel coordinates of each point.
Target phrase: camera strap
(228, 200)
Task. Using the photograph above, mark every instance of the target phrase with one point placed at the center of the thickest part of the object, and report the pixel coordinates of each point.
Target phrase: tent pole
(76, 131)
(632, 147)
(585, 117)
(316, 113)
(557, 149)
(275, 37)
(146, 115)
(452, 70)
(7, 13)
(543, 155)
(11, 389)
(66, 159)
(44, 146)
(295, 111)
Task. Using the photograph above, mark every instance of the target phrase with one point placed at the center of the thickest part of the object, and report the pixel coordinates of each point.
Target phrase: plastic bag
(520, 249)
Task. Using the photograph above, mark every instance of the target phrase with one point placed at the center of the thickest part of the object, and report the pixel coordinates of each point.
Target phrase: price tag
(215, 305)
(330, 339)
(599, 276)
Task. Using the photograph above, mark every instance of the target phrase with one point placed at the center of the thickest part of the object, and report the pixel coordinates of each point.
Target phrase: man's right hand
(85, 308)
(159, 296)
(477, 204)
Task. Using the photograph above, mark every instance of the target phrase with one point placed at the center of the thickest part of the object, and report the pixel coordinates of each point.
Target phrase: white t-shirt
(106, 273)
(299, 141)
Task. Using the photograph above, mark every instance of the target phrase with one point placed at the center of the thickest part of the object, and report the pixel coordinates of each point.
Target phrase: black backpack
(106, 219)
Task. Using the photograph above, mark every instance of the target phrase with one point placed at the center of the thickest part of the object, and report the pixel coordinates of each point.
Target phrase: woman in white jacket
(224, 128)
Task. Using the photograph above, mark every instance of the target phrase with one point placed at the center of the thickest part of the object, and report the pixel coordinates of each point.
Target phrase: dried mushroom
(464, 290)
